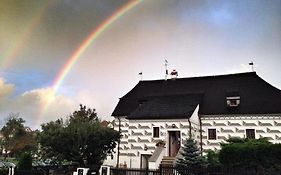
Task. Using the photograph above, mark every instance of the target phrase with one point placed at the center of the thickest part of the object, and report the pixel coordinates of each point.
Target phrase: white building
(211, 109)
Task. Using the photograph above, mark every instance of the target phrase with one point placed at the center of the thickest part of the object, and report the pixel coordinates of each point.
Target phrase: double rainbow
(12, 52)
(82, 48)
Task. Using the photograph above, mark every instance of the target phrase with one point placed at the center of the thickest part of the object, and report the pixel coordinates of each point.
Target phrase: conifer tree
(190, 162)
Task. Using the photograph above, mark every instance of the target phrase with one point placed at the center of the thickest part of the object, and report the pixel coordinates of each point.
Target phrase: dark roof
(164, 98)
(161, 107)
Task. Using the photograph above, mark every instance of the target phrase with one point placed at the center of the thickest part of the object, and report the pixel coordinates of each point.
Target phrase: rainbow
(89, 40)
(13, 51)
(82, 48)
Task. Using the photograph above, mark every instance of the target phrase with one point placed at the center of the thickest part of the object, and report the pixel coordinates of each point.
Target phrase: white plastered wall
(137, 137)
(227, 126)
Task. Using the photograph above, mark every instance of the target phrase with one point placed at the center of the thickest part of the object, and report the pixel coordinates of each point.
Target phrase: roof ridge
(207, 76)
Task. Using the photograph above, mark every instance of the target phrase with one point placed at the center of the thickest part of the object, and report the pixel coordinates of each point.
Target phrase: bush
(212, 158)
(25, 162)
(259, 156)
(4, 171)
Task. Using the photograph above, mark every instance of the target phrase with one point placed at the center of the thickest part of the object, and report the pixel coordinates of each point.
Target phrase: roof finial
(252, 65)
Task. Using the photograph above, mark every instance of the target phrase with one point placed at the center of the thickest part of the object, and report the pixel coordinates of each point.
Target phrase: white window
(233, 101)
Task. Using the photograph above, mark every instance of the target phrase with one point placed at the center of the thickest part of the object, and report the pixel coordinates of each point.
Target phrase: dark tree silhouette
(80, 139)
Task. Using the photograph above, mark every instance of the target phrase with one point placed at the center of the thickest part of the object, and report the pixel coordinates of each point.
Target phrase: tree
(16, 138)
(190, 162)
(81, 138)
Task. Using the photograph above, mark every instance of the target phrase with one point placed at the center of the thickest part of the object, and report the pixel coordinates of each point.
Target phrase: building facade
(209, 109)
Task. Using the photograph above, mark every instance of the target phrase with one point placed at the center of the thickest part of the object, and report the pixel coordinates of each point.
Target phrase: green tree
(190, 161)
(16, 138)
(81, 138)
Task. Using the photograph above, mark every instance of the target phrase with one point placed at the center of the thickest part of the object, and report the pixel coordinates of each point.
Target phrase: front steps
(168, 161)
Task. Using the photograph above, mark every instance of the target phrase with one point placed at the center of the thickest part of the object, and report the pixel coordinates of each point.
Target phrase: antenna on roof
(140, 74)
(252, 65)
(166, 69)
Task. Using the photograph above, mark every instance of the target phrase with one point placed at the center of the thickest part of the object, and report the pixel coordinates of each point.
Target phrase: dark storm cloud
(69, 22)
(61, 29)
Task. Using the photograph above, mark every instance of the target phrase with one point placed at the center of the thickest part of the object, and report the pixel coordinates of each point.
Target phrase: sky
(197, 38)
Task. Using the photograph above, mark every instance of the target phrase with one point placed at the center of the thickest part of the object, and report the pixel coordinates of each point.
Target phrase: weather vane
(140, 74)
(166, 73)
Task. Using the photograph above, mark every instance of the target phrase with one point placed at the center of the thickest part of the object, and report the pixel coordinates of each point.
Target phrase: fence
(170, 170)
(131, 171)
(48, 170)
(22, 172)
(163, 170)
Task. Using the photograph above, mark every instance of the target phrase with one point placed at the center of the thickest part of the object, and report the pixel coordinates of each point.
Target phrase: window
(233, 101)
(212, 134)
(156, 132)
(250, 133)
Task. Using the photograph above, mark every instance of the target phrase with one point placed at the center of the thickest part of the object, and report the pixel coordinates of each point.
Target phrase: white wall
(137, 135)
(268, 126)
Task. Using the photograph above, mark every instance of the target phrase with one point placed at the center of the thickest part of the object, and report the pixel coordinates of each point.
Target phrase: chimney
(174, 74)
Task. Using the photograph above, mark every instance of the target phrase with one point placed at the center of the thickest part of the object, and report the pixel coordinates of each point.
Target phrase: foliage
(259, 156)
(16, 138)
(25, 162)
(190, 161)
(212, 158)
(81, 138)
(4, 171)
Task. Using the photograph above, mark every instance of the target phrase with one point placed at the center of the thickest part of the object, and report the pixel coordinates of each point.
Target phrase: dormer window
(233, 101)
(141, 102)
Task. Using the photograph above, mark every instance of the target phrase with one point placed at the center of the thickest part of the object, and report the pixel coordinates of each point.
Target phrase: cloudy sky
(197, 37)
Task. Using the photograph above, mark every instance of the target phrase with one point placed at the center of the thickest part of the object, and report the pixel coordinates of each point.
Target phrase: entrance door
(144, 160)
(174, 143)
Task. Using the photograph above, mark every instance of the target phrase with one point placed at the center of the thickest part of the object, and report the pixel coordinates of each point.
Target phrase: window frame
(233, 101)
(154, 135)
(250, 133)
(213, 135)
